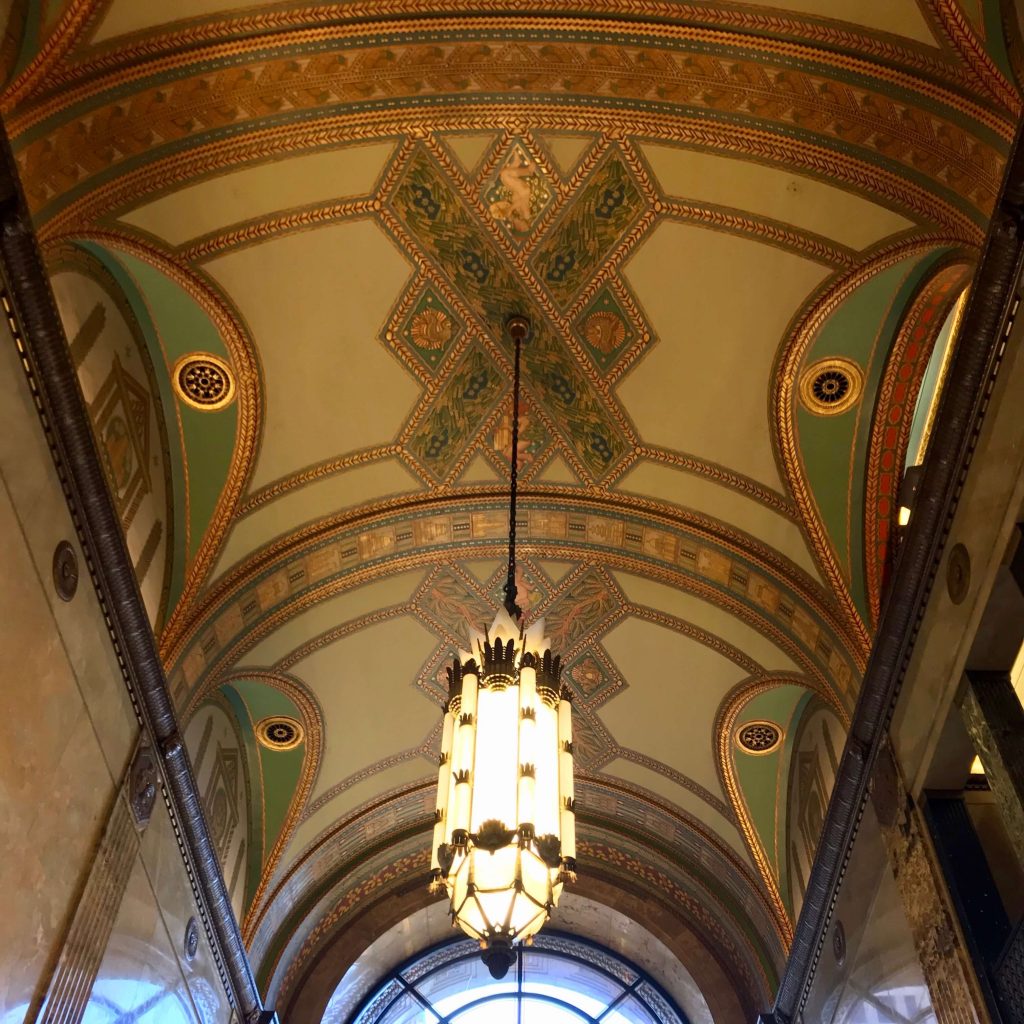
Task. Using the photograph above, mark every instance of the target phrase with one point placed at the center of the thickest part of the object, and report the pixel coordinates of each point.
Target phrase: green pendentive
(760, 776)
(278, 771)
(834, 449)
(140, 308)
(209, 438)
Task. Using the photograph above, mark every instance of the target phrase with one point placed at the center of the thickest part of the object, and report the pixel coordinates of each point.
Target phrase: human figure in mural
(515, 208)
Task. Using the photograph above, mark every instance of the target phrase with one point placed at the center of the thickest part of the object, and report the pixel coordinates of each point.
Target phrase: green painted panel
(210, 437)
(834, 448)
(280, 769)
(168, 401)
(759, 776)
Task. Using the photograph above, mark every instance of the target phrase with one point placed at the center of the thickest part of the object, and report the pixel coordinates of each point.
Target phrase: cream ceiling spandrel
(567, 150)
(719, 306)
(674, 688)
(257, 191)
(479, 471)
(370, 704)
(328, 496)
(900, 17)
(314, 303)
(781, 195)
(469, 148)
(339, 807)
(647, 778)
(333, 613)
(557, 471)
(652, 480)
(704, 615)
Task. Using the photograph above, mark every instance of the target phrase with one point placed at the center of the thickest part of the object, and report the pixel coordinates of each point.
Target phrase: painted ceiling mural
(738, 231)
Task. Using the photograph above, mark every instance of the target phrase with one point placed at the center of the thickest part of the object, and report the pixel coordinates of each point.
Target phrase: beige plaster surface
(648, 779)
(675, 686)
(332, 613)
(340, 282)
(900, 17)
(479, 471)
(557, 471)
(136, 15)
(329, 496)
(365, 686)
(263, 189)
(567, 149)
(652, 480)
(707, 616)
(415, 769)
(773, 193)
(704, 387)
(469, 147)
(482, 568)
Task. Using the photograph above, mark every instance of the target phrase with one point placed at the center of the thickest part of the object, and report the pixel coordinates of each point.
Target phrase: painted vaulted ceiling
(283, 240)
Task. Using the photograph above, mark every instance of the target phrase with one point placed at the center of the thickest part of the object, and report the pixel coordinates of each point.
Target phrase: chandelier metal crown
(505, 826)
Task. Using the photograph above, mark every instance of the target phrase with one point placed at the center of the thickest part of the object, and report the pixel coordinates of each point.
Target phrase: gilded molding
(476, 503)
(798, 342)
(725, 722)
(746, 485)
(893, 416)
(960, 33)
(312, 721)
(313, 474)
(695, 910)
(249, 405)
(921, 142)
(59, 43)
(783, 236)
(905, 65)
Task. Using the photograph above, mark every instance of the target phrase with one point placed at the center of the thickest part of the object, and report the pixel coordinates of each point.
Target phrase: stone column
(945, 962)
(994, 719)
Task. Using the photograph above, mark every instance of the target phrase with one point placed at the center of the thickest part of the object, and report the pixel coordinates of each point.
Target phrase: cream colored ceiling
(346, 565)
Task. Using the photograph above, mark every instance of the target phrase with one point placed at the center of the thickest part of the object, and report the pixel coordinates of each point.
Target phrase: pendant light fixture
(505, 825)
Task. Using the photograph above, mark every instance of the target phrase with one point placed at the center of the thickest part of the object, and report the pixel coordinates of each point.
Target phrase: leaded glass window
(560, 979)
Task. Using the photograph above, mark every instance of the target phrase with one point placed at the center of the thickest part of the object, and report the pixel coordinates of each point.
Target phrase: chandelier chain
(511, 605)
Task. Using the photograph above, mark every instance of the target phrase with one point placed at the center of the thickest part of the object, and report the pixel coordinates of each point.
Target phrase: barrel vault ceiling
(738, 231)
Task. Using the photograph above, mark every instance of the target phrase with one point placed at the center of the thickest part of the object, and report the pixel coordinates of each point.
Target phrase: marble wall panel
(76, 626)
(55, 785)
(173, 894)
(139, 978)
(94, 913)
(877, 979)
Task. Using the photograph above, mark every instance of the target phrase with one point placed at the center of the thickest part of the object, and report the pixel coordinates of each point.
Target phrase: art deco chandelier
(505, 826)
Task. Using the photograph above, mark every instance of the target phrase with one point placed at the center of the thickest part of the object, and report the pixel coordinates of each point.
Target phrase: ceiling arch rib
(697, 205)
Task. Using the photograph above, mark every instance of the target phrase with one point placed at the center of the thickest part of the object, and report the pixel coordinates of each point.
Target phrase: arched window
(560, 979)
